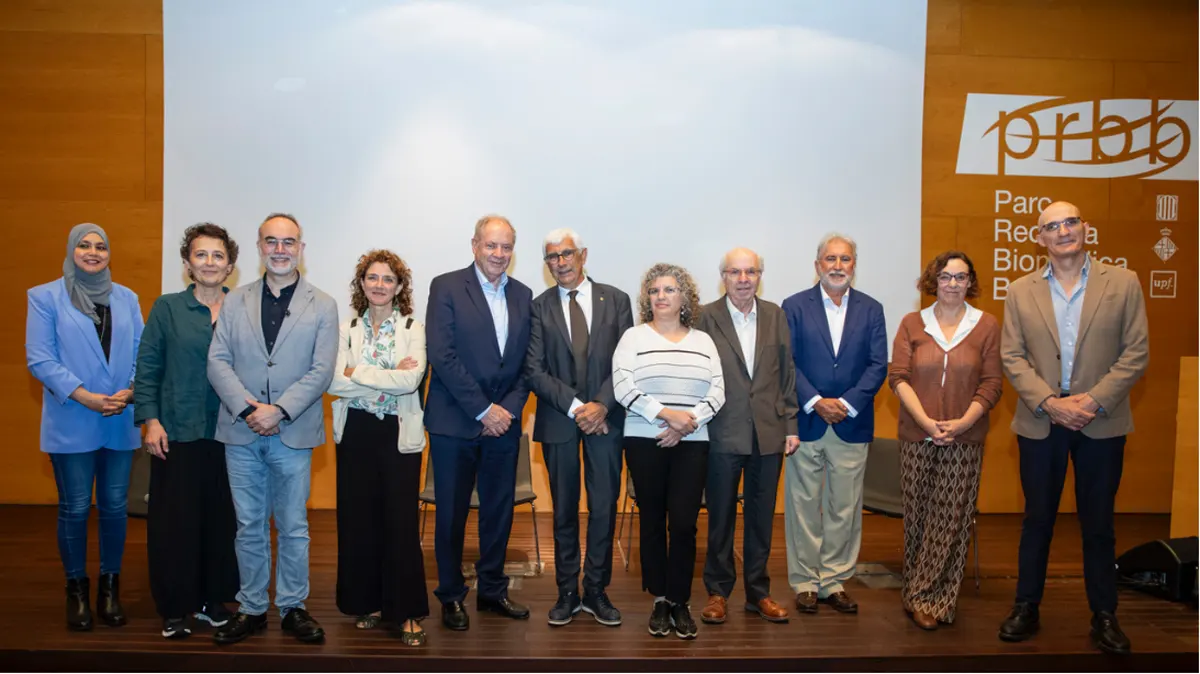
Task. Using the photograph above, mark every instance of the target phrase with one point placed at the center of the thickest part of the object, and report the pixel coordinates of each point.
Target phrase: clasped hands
(831, 410)
(945, 432)
(105, 405)
(1073, 412)
(677, 425)
(265, 418)
(496, 421)
(591, 418)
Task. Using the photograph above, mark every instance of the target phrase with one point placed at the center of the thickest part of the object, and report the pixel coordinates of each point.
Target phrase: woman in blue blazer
(81, 341)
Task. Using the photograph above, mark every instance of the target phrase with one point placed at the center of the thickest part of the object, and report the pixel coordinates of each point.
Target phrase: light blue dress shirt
(1067, 311)
(498, 305)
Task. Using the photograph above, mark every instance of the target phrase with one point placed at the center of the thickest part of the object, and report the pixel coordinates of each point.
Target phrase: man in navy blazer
(839, 343)
(477, 333)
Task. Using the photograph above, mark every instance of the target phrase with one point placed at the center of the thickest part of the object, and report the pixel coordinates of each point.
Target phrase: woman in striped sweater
(668, 376)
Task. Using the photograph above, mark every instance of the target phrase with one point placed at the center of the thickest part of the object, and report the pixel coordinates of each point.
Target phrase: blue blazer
(468, 372)
(63, 352)
(856, 373)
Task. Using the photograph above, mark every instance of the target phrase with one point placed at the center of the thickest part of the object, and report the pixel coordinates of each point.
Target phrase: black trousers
(1098, 464)
(761, 488)
(669, 482)
(602, 477)
(190, 529)
(380, 565)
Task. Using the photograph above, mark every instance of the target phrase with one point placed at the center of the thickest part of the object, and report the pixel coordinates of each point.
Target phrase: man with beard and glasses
(271, 359)
(839, 343)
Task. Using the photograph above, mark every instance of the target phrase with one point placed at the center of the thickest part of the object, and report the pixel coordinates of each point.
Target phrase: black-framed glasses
(945, 278)
(272, 243)
(1069, 223)
(564, 255)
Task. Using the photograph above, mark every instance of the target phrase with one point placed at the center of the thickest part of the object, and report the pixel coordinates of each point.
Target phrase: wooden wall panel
(1101, 49)
(1184, 502)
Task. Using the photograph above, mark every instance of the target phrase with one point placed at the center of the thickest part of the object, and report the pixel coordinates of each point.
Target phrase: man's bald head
(1057, 211)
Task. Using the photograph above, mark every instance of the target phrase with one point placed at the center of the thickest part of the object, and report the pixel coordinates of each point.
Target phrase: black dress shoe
(503, 606)
(1021, 623)
(1108, 635)
(564, 609)
(299, 624)
(108, 600)
(841, 602)
(454, 616)
(600, 608)
(240, 627)
(79, 608)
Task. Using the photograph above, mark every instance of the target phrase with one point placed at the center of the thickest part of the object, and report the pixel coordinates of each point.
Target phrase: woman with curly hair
(946, 371)
(668, 376)
(379, 430)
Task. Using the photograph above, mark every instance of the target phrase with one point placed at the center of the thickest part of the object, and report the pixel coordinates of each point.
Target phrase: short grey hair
(489, 218)
(834, 236)
(562, 234)
(758, 259)
(285, 216)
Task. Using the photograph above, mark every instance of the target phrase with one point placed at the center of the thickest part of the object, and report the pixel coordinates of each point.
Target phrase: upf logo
(1162, 284)
(1062, 137)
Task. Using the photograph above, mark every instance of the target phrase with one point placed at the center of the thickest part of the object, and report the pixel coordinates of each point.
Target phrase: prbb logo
(1054, 136)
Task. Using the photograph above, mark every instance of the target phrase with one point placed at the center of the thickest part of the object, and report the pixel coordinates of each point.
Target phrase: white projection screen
(660, 130)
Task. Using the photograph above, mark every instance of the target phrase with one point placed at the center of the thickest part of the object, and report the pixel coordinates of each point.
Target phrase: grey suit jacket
(765, 404)
(549, 364)
(293, 375)
(1111, 353)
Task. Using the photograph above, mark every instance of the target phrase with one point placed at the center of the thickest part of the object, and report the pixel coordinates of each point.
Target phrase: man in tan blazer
(1074, 343)
(749, 435)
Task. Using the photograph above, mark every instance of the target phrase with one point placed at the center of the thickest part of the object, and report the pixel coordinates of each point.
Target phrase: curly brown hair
(928, 282)
(689, 312)
(402, 301)
(213, 232)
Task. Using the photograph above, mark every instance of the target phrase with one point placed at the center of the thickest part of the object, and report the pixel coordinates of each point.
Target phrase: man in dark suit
(839, 343)
(575, 329)
(477, 332)
(749, 435)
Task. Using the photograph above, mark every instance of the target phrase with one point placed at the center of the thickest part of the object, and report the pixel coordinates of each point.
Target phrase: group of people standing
(695, 399)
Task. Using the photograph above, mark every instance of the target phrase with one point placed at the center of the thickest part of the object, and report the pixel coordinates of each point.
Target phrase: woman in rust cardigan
(946, 371)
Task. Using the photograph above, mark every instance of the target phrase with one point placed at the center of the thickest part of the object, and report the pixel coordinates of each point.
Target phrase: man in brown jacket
(749, 435)
(1074, 343)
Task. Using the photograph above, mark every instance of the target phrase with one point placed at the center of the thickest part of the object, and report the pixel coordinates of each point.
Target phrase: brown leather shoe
(767, 609)
(806, 602)
(714, 610)
(841, 602)
(923, 620)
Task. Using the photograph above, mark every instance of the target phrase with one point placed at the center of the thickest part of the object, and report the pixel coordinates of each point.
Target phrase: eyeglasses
(945, 279)
(565, 255)
(668, 291)
(750, 273)
(1069, 223)
(289, 243)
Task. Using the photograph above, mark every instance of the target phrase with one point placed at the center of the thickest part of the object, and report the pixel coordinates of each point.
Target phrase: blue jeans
(74, 474)
(269, 478)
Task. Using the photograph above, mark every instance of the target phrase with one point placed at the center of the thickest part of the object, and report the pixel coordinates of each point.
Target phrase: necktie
(579, 342)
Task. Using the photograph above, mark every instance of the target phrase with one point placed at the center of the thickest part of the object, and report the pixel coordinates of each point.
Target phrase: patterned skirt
(941, 486)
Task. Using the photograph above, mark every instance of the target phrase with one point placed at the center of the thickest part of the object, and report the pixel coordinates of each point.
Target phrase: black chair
(629, 508)
(883, 495)
(523, 494)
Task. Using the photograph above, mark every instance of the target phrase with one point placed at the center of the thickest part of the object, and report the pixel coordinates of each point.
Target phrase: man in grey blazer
(749, 436)
(272, 356)
(575, 329)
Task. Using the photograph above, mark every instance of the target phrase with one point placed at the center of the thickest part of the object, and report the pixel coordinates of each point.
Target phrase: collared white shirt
(584, 298)
(970, 319)
(836, 316)
(498, 306)
(746, 327)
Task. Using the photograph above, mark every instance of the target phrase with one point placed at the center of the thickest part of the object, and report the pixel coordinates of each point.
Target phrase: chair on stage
(882, 493)
(629, 508)
(523, 494)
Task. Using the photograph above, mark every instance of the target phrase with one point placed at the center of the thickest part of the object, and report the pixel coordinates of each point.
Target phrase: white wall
(661, 131)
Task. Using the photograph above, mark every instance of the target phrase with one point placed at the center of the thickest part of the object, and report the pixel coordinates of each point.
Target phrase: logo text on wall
(1054, 136)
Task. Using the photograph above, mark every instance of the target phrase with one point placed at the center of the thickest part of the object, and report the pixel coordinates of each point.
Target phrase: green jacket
(171, 382)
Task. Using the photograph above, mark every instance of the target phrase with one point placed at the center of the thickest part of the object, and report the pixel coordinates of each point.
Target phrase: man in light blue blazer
(839, 343)
(271, 358)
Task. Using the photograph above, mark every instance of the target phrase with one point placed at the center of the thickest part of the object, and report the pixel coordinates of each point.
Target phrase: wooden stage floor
(880, 637)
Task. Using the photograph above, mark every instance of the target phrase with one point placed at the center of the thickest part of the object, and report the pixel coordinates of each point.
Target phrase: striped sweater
(651, 372)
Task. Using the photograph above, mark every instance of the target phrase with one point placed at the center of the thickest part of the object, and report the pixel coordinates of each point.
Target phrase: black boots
(79, 611)
(108, 600)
